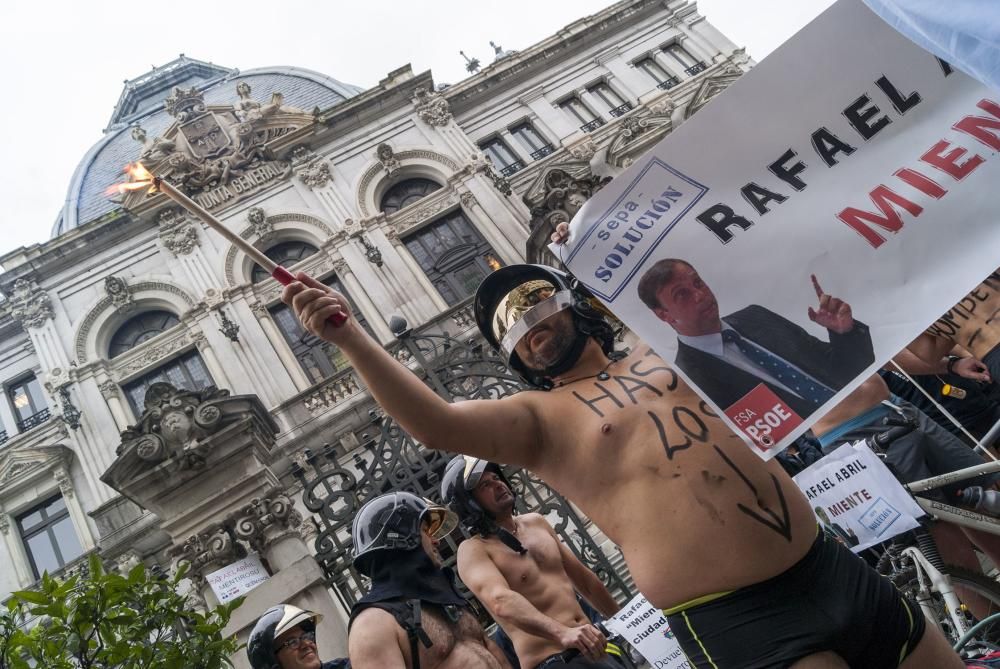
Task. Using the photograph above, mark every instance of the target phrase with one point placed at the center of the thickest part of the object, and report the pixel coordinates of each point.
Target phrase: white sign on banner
(237, 579)
(645, 627)
(856, 499)
(803, 227)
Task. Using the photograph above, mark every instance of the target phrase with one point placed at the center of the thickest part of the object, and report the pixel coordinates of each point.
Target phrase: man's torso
(693, 510)
(540, 577)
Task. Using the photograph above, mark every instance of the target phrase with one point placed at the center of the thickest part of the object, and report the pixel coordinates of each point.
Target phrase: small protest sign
(804, 226)
(238, 578)
(645, 627)
(856, 499)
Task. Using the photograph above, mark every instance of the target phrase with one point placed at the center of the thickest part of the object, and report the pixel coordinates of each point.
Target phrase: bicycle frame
(942, 585)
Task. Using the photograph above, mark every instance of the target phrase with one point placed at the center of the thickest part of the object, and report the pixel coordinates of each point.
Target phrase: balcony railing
(621, 109)
(515, 166)
(33, 420)
(696, 68)
(668, 84)
(592, 125)
(542, 152)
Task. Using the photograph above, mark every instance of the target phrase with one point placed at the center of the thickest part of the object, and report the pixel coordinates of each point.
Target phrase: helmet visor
(439, 521)
(525, 307)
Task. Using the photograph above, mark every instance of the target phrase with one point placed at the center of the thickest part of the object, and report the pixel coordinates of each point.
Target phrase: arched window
(140, 328)
(285, 253)
(407, 192)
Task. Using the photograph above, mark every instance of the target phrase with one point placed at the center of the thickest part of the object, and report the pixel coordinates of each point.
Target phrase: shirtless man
(702, 521)
(412, 618)
(522, 573)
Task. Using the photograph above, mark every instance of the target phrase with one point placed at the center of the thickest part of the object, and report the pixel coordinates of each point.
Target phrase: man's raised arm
(502, 431)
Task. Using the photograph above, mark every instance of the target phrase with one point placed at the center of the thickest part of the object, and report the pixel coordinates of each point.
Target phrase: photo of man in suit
(728, 356)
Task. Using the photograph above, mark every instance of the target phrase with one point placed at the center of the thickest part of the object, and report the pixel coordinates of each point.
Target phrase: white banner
(238, 578)
(803, 227)
(856, 499)
(645, 627)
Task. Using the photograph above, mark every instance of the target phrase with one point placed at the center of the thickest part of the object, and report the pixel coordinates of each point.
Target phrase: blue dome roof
(142, 104)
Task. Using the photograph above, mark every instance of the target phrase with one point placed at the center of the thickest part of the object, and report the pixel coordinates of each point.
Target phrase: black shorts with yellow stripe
(830, 600)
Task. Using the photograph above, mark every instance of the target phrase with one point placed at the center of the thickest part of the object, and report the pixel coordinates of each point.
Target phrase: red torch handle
(284, 277)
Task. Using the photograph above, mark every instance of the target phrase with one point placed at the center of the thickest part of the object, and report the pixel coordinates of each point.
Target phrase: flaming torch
(143, 178)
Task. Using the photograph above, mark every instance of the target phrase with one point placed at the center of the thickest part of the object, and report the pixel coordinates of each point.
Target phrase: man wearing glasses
(285, 638)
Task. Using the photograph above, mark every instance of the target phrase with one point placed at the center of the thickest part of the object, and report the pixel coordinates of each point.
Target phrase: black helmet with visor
(393, 522)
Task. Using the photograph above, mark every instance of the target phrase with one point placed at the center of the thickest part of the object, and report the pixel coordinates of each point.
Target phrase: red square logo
(762, 416)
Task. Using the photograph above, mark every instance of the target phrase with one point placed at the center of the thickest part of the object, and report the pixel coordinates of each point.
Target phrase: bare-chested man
(720, 539)
(522, 573)
(412, 617)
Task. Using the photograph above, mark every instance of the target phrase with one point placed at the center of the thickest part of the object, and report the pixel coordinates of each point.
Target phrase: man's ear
(663, 315)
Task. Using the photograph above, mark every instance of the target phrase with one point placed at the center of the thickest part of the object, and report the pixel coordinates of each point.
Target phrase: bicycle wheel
(980, 593)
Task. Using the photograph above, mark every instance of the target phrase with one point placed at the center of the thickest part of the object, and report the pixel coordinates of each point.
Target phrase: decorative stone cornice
(29, 304)
(178, 233)
(119, 293)
(431, 107)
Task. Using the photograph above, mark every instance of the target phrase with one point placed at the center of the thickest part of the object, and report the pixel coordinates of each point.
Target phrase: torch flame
(139, 177)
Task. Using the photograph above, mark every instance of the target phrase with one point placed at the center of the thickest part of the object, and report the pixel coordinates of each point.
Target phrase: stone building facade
(403, 196)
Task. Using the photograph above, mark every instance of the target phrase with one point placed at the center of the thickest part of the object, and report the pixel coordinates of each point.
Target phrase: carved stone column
(432, 108)
(280, 346)
(179, 235)
(112, 395)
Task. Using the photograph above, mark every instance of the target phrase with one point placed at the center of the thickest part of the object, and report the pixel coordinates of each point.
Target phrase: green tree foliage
(104, 620)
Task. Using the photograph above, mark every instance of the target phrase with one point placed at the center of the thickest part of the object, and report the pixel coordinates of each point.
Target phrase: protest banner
(856, 499)
(645, 627)
(238, 578)
(803, 227)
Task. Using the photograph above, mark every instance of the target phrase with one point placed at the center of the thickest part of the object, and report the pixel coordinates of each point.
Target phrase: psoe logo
(616, 243)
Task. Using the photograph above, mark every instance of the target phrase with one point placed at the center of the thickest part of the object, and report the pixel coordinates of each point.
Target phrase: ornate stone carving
(376, 172)
(330, 393)
(260, 227)
(265, 520)
(468, 199)
(385, 156)
(29, 304)
(464, 318)
(431, 107)
(302, 155)
(65, 483)
(173, 425)
(218, 153)
(177, 233)
(563, 196)
(4, 523)
(340, 267)
(316, 175)
(119, 294)
(638, 133)
(259, 309)
(108, 389)
(584, 150)
(308, 530)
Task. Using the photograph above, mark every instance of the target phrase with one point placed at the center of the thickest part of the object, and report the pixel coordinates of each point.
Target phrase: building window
(689, 63)
(501, 156)
(664, 80)
(609, 96)
(49, 537)
(285, 254)
(187, 372)
(319, 359)
(587, 119)
(140, 328)
(453, 255)
(30, 408)
(532, 142)
(406, 193)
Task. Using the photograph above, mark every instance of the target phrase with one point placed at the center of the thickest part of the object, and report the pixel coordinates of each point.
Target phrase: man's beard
(563, 336)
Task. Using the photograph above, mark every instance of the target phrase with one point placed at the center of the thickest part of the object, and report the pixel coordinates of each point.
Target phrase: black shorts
(829, 601)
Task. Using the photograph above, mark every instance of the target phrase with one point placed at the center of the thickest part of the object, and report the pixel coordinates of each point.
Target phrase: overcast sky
(64, 61)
